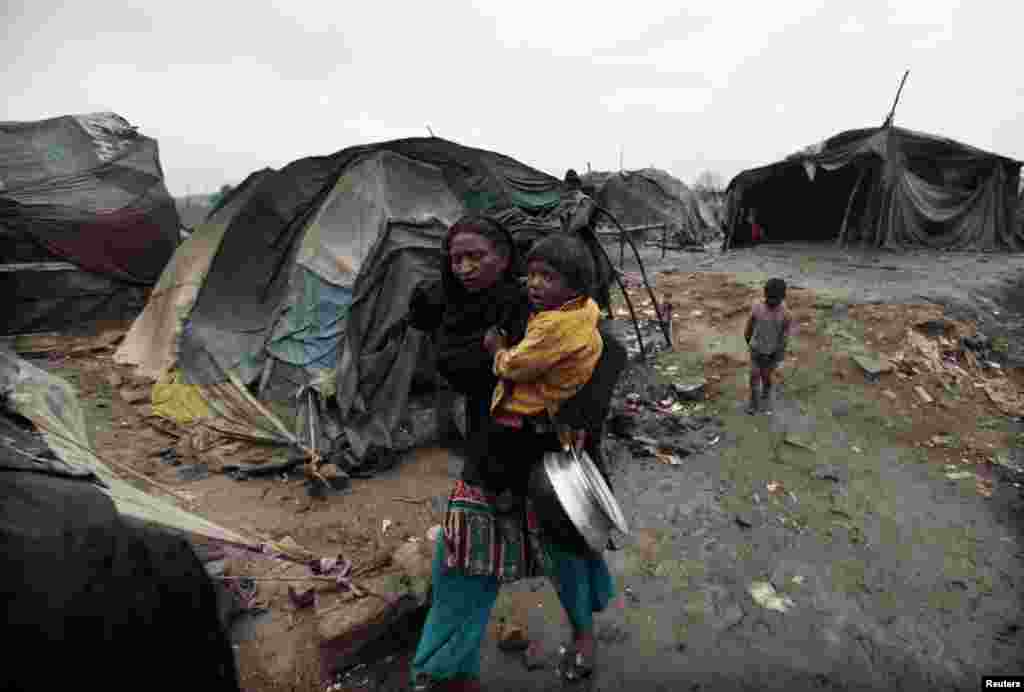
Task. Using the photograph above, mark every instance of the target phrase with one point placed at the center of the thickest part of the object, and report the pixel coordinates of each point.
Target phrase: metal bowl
(572, 497)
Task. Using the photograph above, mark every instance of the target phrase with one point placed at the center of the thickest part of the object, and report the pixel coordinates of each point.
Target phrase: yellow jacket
(555, 358)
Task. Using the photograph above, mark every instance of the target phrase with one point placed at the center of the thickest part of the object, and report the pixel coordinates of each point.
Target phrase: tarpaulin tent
(90, 561)
(284, 310)
(882, 187)
(86, 223)
(647, 197)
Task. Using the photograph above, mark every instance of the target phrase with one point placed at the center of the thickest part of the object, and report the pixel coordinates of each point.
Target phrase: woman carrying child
(491, 535)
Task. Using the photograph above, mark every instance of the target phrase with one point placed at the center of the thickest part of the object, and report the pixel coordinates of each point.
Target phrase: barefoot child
(767, 332)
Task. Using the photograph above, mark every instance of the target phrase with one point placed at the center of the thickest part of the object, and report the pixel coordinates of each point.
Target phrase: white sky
(228, 88)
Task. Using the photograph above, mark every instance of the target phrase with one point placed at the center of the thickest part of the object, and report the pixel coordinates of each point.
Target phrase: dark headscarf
(467, 315)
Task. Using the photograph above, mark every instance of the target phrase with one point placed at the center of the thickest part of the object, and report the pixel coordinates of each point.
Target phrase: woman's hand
(494, 340)
(575, 439)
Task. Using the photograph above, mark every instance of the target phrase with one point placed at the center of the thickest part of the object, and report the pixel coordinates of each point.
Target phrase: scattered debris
(774, 487)
(873, 366)
(959, 475)
(889, 394)
(828, 472)
(385, 525)
(797, 441)
(765, 596)
(924, 396)
(691, 391)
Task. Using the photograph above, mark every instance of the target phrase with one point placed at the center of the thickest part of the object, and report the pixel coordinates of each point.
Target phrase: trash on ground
(765, 596)
(385, 525)
(797, 441)
(923, 395)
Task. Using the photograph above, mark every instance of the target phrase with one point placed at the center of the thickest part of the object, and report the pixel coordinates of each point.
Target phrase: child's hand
(494, 340)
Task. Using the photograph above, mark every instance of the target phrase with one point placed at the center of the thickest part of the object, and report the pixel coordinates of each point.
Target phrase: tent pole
(892, 111)
(643, 274)
(849, 207)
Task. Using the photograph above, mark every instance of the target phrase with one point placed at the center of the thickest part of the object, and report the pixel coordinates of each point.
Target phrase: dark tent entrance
(789, 206)
(881, 187)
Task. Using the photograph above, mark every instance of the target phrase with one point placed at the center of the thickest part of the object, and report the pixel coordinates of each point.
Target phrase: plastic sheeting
(88, 189)
(272, 315)
(152, 342)
(52, 406)
(884, 187)
(649, 196)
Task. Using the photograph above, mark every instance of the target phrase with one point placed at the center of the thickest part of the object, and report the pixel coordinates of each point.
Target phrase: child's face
(546, 286)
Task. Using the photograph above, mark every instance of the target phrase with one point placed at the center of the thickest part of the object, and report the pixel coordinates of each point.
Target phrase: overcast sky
(720, 85)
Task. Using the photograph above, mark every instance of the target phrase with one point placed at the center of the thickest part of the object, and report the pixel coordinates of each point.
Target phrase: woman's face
(475, 261)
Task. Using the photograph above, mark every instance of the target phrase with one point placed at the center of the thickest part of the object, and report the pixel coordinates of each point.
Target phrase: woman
(478, 290)
(490, 535)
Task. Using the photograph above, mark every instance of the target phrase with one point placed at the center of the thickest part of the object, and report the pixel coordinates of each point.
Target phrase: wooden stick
(849, 206)
(892, 111)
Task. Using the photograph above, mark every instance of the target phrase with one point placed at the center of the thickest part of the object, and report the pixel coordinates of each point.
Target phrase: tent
(280, 319)
(649, 197)
(882, 187)
(91, 562)
(86, 223)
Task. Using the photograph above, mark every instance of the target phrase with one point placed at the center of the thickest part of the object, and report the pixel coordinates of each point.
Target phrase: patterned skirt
(488, 536)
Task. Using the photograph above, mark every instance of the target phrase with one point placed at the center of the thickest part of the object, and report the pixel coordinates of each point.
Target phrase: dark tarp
(103, 598)
(87, 190)
(59, 298)
(247, 281)
(647, 197)
(101, 594)
(882, 187)
(379, 210)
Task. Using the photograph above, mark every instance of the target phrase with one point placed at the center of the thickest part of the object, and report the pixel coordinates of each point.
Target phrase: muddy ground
(890, 529)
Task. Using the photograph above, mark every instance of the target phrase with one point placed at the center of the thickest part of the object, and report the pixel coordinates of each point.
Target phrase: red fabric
(128, 244)
(756, 234)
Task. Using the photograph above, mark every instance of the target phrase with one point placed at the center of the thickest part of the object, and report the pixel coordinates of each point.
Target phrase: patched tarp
(86, 191)
(882, 187)
(152, 342)
(308, 274)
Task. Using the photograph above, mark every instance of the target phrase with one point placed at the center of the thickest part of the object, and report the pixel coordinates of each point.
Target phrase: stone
(872, 365)
(889, 394)
(193, 472)
(691, 391)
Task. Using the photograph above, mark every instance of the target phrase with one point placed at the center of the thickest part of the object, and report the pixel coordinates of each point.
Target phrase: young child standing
(767, 333)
